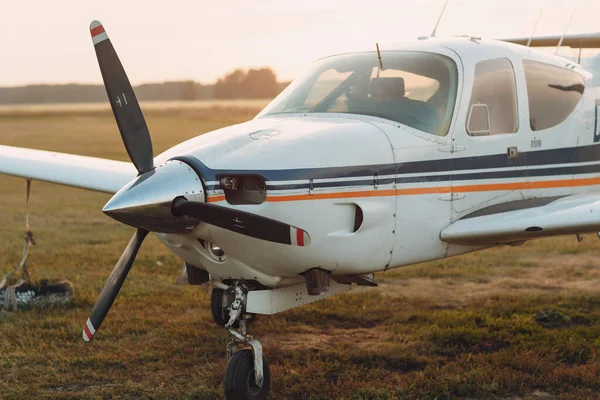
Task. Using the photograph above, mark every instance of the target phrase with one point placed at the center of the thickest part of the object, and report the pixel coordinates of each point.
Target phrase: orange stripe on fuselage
(214, 199)
(490, 187)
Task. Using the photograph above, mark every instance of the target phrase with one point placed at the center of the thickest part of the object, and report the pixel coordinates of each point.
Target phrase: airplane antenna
(379, 58)
(565, 32)
(537, 21)
(439, 19)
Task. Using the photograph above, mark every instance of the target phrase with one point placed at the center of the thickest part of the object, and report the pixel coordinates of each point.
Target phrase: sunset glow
(48, 42)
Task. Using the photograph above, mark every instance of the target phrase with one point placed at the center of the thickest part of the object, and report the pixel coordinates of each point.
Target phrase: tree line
(239, 84)
(252, 84)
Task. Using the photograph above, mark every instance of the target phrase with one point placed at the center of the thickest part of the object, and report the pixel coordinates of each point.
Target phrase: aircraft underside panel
(272, 301)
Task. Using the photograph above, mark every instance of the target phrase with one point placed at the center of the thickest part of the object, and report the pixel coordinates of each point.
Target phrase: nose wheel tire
(240, 383)
(218, 307)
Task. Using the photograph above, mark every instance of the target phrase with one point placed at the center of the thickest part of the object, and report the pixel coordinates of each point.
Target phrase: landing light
(215, 252)
(244, 189)
(230, 182)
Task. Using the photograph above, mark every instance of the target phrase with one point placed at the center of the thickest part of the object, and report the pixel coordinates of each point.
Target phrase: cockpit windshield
(417, 89)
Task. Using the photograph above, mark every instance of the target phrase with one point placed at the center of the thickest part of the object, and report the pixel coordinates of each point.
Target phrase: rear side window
(493, 105)
(553, 93)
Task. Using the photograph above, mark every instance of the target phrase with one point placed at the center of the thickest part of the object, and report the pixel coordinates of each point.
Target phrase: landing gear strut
(247, 375)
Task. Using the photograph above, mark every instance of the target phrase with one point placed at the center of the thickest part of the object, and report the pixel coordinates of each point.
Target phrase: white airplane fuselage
(364, 163)
(409, 184)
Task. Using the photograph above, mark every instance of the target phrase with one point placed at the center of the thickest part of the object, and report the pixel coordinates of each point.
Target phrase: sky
(49, 42)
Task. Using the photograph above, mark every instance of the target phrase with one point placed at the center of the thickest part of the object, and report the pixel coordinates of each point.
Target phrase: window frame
(481, 132)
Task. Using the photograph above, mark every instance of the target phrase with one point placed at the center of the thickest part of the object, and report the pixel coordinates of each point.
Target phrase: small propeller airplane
(369, 161)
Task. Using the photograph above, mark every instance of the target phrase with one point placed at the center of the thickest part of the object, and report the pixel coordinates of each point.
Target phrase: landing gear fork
(258, 387)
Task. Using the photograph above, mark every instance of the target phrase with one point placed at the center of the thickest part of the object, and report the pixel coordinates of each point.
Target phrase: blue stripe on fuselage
(447, 169)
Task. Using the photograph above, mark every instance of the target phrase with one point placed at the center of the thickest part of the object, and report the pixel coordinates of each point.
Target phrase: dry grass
(33, 109)
(459, 328)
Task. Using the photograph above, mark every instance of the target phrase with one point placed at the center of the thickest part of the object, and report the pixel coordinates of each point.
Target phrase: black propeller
(137, 141)
(243, 222)
(139, 147)
(125, 106)
(113, 285)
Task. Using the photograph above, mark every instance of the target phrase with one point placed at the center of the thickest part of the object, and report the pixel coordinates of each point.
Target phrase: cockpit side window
(553, 93)
(493, 105)
(416, 89)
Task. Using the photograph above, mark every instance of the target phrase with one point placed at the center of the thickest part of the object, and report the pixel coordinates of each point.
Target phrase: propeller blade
(243, 222)
(113, 285)
(125, 106)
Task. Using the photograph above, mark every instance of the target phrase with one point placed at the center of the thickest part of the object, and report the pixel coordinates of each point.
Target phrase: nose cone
(146, 201)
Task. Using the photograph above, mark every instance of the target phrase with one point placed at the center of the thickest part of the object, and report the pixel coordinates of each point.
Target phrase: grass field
(507, 323)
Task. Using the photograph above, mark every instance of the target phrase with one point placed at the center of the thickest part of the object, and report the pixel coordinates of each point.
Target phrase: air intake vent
(533, 229)
(358, 218)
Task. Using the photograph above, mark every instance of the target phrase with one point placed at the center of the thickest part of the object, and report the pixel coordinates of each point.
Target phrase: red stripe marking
(97, 30)
(300, 237)
(88, 333)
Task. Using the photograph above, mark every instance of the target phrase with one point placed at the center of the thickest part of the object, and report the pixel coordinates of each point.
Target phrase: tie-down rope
(10, 295)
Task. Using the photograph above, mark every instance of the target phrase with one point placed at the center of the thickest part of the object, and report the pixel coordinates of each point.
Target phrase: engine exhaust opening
(317, 281)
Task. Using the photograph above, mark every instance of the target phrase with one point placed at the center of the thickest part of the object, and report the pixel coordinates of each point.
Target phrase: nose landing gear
(220, 300)
(247, 375)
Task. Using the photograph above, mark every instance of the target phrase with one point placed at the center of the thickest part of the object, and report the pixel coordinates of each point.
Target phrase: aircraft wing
(66, 169)
(585, 41)
(522, 220)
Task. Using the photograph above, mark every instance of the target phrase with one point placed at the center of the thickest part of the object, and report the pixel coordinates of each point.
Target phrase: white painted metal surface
(285, 298)
(66, 169)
